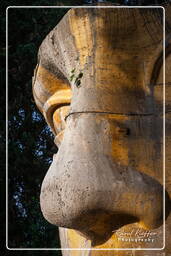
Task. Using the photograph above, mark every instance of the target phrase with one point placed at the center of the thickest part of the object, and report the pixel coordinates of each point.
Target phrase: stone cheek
(99, 90)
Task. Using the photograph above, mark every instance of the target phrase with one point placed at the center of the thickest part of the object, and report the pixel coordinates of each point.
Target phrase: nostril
(100, 224)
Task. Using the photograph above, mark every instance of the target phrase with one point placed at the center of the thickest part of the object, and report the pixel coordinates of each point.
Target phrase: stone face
(99, 85)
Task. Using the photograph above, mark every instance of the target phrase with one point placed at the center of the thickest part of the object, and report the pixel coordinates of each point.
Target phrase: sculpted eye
(53, 97)
(59, 122)
(53, 106)
(59, 118)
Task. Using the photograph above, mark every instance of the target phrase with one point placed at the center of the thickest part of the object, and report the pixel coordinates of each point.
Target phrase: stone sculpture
(99, 85)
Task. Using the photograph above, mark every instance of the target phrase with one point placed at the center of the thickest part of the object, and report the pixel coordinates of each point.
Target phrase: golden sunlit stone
(104, 188)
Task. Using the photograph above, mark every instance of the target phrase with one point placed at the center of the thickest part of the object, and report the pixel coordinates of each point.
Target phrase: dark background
(30, 142)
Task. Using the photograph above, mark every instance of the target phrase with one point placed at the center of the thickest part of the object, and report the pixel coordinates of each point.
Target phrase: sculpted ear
(52, 96)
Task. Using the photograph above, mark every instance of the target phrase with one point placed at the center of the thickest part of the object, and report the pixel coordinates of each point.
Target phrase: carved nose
(87, 190)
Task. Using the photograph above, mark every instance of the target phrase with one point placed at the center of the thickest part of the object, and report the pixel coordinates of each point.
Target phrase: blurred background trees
(30, 142)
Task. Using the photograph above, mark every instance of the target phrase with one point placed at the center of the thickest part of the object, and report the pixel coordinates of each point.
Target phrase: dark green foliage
(30, 142)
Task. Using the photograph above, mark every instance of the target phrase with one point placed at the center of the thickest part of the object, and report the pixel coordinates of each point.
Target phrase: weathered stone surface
(104, 77)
